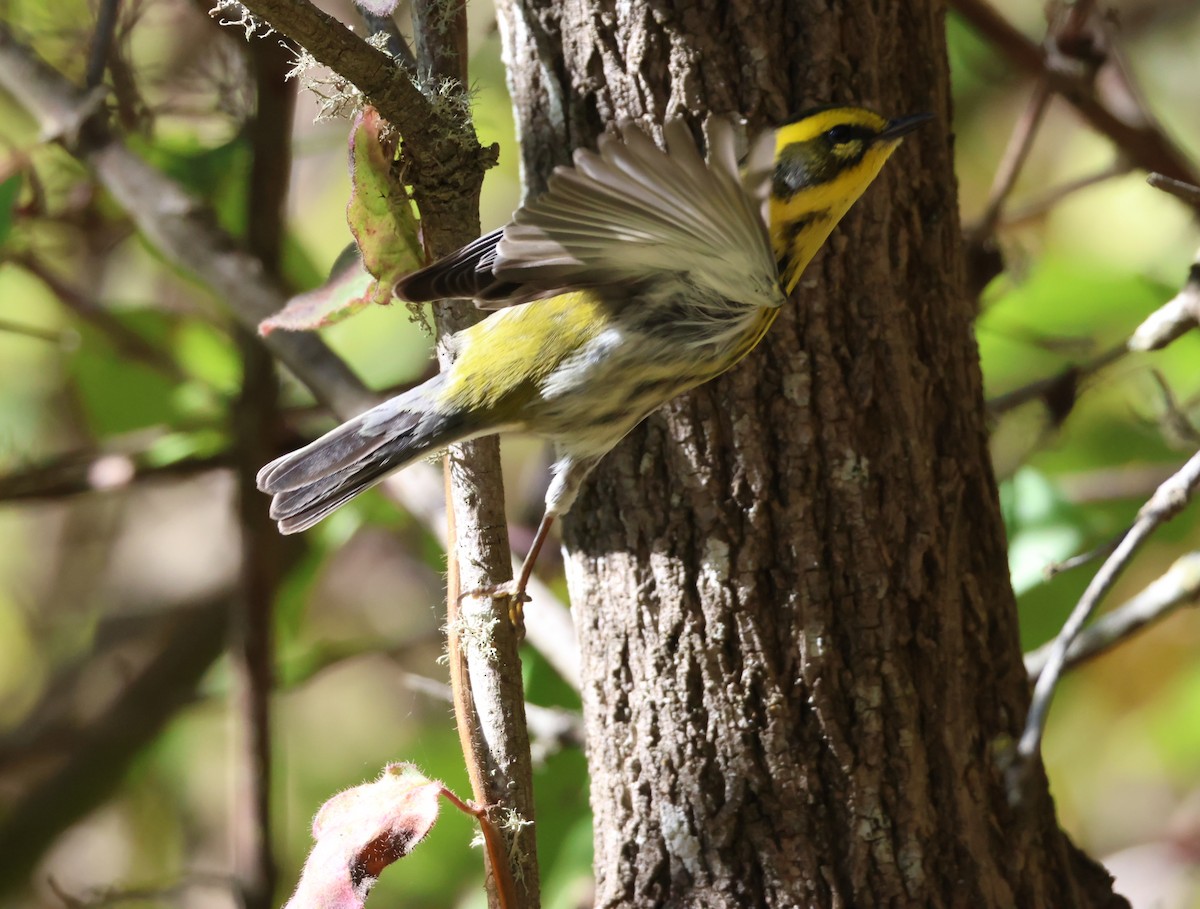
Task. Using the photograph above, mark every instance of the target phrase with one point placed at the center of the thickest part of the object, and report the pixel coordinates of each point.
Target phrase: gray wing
(467, 274)
(623, 213)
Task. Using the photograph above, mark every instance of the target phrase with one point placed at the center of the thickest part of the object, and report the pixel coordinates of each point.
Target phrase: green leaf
(1171, 721)
(207, 353)
(1063, 312)
(379, 212)
(350, 287)
(10, 191)
(216, 174)
(176, 446)
(387, 242)
(120, 394)
(1043, 528)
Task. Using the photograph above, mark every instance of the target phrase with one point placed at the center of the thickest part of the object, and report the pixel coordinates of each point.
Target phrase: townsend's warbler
(637, 275)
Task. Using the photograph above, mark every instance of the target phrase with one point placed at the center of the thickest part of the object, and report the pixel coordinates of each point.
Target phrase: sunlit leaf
(386, 234)
(350, 287)
(1043, 528)
(1172, 722)
(121, 393)
(207, 353)
(360, 832)
(379, 212)
(10, 190)
(176, 446)
(1063, 312)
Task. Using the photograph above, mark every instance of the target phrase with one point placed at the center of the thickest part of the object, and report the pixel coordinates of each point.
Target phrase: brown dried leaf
(360, 832)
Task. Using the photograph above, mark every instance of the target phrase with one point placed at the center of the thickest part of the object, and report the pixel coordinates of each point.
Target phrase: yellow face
(824, 161)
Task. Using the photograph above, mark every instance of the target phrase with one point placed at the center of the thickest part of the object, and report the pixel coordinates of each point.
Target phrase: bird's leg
(515, 589)
(569, 473)
(531, 557)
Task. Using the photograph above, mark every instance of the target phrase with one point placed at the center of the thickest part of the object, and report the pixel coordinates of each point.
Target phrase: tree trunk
(800, 645)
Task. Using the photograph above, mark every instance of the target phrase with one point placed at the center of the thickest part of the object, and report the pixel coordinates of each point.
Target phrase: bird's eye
(839, 134)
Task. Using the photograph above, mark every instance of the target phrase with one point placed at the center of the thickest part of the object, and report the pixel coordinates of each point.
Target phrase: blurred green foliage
(1081, 276)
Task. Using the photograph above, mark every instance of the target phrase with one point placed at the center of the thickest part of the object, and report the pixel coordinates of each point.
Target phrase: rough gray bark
(801, 661)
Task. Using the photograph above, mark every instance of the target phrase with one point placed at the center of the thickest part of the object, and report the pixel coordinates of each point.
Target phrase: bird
(641, 272)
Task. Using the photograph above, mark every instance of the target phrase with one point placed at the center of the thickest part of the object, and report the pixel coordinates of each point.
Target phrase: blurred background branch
(77, 770)
(121, 375)
(245, 283)
(1180, 586)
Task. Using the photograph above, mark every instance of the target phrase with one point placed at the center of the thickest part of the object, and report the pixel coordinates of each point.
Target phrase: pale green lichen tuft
(450, 104)
(232, 13)
(514, 825)
(338, 98)
(476, 631)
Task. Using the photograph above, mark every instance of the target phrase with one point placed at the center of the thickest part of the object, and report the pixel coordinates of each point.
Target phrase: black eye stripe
(812, 162)
(845, 132)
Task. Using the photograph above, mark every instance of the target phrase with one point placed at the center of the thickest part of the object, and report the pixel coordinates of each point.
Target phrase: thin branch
(82, 473)
(482, 642)
(550, 628)
(1113, 484)
(1060, 391)
(1174, 424)
(1083, 558)
(440, 156)
(1178, 586)
(1015, 156)
(106, 897)
(102, 38)
(257, 422)
(397, 46)
(1145, 144)
(1040, 206)
(263, 565)
(180, 227)
(1168, 500)
(502, 893)
(304, 671)
(551, 728)
(447, 162)
(1173, 319)
(1185, 192)
(384, 84)
(61, 338)
(440, 38)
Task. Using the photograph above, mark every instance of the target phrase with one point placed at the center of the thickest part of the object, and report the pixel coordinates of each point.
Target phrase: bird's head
(824, 160)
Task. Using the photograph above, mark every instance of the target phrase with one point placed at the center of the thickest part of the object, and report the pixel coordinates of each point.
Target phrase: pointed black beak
(902, 126)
